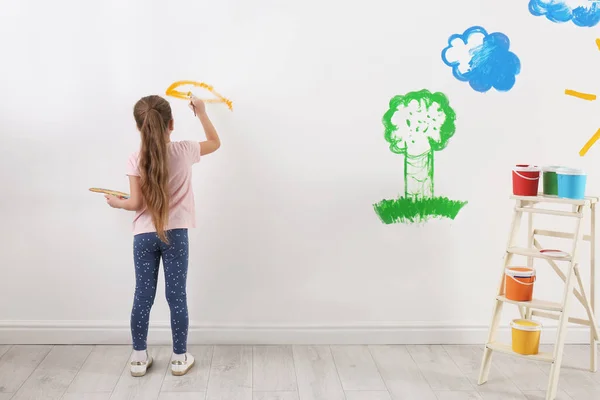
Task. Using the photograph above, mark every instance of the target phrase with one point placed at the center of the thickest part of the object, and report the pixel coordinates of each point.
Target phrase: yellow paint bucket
(526, 336)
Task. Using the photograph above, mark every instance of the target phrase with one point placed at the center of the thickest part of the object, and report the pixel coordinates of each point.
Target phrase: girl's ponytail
(153, 115)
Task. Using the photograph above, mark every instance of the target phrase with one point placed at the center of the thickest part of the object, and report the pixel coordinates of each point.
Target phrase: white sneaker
(180, 368)
(139, 368)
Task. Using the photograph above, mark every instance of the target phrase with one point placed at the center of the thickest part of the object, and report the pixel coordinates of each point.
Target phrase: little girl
(160, 179)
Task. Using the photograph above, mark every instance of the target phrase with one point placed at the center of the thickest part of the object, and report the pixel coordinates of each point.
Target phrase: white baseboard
(107, 332)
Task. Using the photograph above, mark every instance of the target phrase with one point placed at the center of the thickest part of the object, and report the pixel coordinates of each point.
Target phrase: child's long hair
(152, 115)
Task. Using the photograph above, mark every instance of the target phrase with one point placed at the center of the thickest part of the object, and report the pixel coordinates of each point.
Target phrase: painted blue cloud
(584, 13)
(482, 59)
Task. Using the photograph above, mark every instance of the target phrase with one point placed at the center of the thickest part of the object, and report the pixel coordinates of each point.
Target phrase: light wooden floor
(287, 373)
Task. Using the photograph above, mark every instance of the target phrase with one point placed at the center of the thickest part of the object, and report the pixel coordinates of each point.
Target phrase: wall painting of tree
(417, 125)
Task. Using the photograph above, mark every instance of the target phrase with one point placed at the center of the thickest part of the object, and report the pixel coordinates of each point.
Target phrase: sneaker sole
(140, 374)
(181, 373)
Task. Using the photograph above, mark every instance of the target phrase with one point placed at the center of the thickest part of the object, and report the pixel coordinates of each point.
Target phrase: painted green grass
(407, 210)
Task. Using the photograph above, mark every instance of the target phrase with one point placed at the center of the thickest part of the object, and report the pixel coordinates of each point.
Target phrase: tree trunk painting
(418, 173)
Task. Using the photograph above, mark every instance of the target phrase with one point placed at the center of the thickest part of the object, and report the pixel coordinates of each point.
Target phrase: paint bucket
(550, 187)
(526, 179)
(526, 336)
(571, 183)
(518, 283)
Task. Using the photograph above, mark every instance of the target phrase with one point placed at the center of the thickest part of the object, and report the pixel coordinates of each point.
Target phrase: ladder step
(544, 199)
(521, 251)
(549, 212)
(535, 304)
(507, 349)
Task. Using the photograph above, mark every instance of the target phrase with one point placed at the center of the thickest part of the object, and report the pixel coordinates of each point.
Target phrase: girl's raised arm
(212, 142)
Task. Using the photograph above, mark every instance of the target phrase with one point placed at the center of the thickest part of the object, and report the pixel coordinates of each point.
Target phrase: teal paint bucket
(571, 183)
(550, 184)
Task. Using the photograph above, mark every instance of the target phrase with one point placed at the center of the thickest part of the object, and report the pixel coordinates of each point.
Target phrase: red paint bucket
(526, 179)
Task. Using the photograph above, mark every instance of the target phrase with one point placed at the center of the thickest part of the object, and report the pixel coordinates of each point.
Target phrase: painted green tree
(417, 125)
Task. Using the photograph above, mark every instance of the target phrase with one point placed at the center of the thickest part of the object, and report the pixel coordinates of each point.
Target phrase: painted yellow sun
(588, 97)
(173, 92)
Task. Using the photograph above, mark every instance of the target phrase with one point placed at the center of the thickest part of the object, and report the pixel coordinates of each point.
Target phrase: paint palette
(554, 253)
(111, 192)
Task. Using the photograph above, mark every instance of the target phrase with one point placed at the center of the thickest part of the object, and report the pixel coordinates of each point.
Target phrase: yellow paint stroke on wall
(589, 97)
(171, 91)
(589, 143)
(584, 96)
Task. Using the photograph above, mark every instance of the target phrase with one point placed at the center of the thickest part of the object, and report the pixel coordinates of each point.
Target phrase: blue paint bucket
(571, 183)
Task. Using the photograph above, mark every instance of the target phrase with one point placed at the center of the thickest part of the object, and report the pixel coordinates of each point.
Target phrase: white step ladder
(546, 309)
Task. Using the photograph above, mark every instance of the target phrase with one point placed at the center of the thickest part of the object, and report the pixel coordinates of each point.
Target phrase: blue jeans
(148, 250)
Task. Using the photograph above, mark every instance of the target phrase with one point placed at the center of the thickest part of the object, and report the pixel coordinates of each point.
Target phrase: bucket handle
(522, 283)
(526, 177)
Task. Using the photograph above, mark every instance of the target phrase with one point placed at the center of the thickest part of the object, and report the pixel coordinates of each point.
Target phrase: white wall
(288, 247)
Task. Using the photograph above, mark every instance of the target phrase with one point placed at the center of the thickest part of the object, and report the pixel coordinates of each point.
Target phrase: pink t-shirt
(182, 212)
